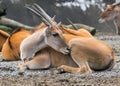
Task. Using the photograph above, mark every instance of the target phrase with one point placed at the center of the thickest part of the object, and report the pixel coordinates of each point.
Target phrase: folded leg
(41, 61)
(81, 69)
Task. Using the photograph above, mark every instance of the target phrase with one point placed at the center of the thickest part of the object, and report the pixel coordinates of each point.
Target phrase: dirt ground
(10, 77)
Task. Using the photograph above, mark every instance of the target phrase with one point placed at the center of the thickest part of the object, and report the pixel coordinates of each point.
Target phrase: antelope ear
(109, 6)
(59, 28)
(53, 18)
(58, 24)
(102, 9)
(49, 29)
(116, 4)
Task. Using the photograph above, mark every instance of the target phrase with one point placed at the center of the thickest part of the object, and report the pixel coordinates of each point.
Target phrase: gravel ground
(51, 77)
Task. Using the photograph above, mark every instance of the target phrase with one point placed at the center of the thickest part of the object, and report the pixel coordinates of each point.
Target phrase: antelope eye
(55, 34)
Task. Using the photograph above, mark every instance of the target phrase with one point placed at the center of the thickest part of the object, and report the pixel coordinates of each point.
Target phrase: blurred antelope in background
(10, 49)
(87, 53)
(112, 12)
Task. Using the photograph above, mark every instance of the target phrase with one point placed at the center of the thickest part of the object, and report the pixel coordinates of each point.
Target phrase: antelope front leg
(22, 67)
(40, 61)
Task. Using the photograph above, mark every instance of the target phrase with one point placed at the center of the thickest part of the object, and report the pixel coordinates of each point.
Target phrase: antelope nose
(68, 48)
(65, 50)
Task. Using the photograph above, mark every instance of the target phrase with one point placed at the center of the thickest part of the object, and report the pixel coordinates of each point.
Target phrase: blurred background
(78, 11)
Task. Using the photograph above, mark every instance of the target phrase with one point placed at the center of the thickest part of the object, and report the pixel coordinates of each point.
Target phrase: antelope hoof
(65, 51)
(21, 69)
(61, 68)
(26, 59)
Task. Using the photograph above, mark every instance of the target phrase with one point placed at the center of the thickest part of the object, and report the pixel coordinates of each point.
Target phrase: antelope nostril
(67, 48)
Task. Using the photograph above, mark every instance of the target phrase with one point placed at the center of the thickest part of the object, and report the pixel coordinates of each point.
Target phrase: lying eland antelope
(87, 53)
